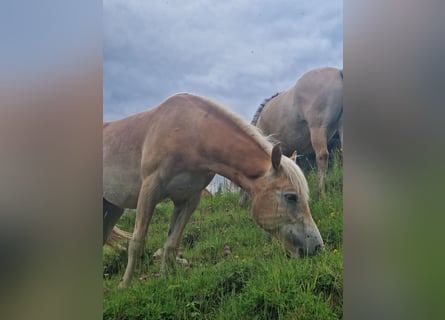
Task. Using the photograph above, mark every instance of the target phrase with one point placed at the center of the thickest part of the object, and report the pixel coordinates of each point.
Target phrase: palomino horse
(305, 117)
(175, 149)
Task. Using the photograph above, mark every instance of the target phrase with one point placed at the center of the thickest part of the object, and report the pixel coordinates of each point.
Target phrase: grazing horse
(305, 117)
(174, 150)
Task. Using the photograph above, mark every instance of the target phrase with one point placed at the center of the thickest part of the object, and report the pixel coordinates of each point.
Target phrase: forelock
(296, 176)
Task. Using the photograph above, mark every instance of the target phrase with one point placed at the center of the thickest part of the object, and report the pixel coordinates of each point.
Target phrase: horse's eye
(291, 197)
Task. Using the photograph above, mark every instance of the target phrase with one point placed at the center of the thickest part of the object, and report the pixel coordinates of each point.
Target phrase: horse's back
(320, 88)
(315, 101)
(319, 95)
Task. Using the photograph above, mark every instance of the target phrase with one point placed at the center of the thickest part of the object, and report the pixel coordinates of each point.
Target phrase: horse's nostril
(318, 247)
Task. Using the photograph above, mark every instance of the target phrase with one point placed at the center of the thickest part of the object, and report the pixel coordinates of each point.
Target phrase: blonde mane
(290, 168)
(296, 176)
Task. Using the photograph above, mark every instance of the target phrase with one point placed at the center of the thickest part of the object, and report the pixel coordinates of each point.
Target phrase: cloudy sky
(237, 52)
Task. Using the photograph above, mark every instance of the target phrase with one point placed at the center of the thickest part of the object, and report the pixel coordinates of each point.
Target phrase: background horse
(305, 117)
(175, 149)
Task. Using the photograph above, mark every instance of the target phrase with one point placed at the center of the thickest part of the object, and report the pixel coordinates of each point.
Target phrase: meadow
(255, 280)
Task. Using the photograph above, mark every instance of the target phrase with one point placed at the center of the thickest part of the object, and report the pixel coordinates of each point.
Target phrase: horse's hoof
(181, 261)
(158, 254)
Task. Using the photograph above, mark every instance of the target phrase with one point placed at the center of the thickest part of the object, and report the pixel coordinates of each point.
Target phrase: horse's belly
(121, 188)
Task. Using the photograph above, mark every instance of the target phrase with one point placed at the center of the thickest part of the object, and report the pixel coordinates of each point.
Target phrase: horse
(306, 116)
(175, 149)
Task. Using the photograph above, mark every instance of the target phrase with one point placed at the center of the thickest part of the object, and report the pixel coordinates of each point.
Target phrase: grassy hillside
(255, 281)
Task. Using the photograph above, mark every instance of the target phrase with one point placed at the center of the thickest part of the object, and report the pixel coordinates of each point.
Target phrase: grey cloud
(236, 52)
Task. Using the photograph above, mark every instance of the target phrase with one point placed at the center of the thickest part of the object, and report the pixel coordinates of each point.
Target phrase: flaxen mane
(258, 112)
(294, 172)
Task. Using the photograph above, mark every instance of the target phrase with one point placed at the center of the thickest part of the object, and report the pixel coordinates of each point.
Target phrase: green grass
(256, 281)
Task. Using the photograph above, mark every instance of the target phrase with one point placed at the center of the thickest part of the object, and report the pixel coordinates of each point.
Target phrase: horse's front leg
(147, 200)
(180, 217)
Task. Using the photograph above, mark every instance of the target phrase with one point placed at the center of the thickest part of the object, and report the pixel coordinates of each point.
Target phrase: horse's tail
(117, 235)
(258, 112)
(341, 73)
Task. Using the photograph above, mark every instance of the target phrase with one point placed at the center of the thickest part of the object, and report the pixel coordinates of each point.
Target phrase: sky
(236, 52)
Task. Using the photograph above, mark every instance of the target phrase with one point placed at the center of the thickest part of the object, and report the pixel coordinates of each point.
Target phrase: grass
(255, 281)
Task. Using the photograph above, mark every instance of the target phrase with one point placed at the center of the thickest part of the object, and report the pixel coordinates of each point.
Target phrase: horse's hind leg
(111, 215)
(319, 144)
(340, 133)
(181, 215)
(147, 200)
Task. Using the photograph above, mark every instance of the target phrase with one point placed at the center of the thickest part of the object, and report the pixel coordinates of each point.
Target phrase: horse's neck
(238, 157)
(246, 180)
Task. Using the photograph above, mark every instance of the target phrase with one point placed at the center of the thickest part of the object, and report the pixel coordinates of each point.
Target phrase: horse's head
(280, 206)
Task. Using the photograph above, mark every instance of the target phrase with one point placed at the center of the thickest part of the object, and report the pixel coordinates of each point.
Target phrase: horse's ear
(276, 156)
(293, 157)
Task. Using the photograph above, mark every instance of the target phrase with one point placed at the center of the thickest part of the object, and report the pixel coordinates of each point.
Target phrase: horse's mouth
(301, 246)
(303, 253)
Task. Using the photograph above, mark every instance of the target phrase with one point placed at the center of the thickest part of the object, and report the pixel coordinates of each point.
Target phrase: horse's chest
(182, 186)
